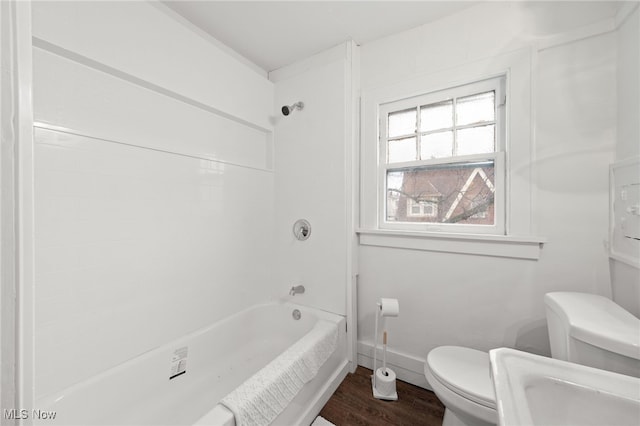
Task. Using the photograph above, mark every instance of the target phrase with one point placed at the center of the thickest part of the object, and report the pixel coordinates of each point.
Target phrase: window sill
(518, 247)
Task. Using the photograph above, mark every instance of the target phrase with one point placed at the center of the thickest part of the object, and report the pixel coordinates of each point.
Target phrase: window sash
(497, 228)
(498, 156)
(494, 84)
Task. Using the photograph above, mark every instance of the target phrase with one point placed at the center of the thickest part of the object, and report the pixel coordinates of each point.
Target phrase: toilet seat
(464, 371)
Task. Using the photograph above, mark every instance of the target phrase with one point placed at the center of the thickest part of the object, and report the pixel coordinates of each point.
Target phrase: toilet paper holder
(383, 380)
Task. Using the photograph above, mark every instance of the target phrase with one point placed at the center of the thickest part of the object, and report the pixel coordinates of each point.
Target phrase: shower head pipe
(288, 109)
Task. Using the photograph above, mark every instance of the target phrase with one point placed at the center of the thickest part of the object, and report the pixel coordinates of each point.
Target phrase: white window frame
(519, 240)
(496, 84)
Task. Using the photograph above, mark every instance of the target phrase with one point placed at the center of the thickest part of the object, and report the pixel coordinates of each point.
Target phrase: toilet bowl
(460, 378)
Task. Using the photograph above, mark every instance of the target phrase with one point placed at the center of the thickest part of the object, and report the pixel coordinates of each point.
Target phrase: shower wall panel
(147, 41)
(153, 188)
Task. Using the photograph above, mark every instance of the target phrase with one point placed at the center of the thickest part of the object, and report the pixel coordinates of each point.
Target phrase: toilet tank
(592, 330)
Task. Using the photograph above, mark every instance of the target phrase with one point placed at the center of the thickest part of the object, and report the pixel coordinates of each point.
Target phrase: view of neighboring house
(458, 193)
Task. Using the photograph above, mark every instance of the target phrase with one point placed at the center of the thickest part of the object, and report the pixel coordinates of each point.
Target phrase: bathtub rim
(219, 415)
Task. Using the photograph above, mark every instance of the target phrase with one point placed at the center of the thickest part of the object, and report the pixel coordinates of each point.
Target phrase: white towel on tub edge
(259, 400)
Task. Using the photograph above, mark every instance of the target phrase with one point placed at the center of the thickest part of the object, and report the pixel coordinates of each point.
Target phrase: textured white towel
(259, 400)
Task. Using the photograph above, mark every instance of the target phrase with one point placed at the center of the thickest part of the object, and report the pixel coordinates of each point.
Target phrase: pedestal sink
(536, 390)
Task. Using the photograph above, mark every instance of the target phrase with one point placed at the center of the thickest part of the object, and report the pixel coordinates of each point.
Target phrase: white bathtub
(220, 358)
(306, 405)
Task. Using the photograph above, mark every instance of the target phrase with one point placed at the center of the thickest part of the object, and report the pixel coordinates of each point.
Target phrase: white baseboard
(408, 368)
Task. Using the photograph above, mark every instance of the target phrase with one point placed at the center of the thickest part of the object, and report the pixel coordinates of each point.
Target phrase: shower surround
(154, 204)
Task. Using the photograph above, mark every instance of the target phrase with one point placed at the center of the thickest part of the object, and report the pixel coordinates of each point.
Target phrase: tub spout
(296, 289)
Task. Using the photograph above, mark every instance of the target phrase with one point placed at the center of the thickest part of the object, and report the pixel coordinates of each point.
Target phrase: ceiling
(272, 34)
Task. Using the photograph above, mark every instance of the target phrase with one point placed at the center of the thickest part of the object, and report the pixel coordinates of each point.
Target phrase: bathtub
(219, 359)
(306, 405)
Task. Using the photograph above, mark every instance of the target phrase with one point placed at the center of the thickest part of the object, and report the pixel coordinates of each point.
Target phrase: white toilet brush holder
(383, 380)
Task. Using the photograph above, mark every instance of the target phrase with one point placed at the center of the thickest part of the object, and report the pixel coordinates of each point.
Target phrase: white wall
(483, 301)
(310, 177)
(8, 135)
(195, 68)
(628, 88)
(154, 188)
(626, 278)
(313, 178)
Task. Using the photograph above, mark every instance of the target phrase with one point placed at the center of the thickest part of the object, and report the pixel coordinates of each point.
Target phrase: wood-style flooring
(353, 404)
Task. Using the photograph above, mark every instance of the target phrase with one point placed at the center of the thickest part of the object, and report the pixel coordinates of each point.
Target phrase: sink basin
(536, 390)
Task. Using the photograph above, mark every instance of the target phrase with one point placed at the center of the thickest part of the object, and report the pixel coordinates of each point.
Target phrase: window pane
(429, 209)
(436, 145)
(436, 116)
(402, 150)
(475, 109)
(402, 123)
(476, 140)
(394, 185)
(460, 193)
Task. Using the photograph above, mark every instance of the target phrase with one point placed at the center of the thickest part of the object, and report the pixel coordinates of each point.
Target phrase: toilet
(460, 378)
(592, 330)
(583, 328)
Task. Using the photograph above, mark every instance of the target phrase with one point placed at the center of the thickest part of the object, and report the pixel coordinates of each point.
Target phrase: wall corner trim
(625, 11)
(208, 37)
(335, 53)
(598, 28)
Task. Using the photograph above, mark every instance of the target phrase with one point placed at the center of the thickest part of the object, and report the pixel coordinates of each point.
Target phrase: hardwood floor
(353, 404)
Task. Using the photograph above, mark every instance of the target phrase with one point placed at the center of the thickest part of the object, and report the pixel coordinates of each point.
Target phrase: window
(422, 208)
(509, 167)
(441, 160)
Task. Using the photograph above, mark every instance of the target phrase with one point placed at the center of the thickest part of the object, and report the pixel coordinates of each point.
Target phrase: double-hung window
(441, 162)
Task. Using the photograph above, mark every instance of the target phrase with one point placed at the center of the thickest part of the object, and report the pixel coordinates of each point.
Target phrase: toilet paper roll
(385, 385)
(389, 307)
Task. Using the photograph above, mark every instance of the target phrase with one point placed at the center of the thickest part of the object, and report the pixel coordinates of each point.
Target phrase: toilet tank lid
(598, 321)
